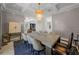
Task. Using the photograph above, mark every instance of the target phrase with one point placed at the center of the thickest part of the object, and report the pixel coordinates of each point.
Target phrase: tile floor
(7, 49)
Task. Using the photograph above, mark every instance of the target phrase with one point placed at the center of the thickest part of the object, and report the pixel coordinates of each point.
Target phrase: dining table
(47, 39)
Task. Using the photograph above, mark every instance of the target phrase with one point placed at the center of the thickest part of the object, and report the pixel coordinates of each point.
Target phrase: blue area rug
(24, 48)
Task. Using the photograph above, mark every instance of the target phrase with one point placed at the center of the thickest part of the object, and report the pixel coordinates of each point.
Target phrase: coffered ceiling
(28, 9)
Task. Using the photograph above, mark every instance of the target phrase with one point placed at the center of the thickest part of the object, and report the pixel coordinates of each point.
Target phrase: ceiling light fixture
(39, 12)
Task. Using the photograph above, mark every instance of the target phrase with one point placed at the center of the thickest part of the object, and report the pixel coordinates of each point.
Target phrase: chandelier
(39, 12)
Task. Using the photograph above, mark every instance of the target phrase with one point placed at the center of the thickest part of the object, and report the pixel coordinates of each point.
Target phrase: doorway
(32, 26)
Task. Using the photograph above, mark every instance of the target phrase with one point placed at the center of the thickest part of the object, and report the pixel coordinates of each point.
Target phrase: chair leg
(51, 51)
(25, 42)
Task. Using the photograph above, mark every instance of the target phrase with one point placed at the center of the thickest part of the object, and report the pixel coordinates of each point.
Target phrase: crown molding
(67, 8)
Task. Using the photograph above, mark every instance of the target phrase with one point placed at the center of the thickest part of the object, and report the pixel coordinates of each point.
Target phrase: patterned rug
(24, 48)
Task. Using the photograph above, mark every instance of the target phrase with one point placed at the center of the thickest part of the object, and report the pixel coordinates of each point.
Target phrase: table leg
(48, 50)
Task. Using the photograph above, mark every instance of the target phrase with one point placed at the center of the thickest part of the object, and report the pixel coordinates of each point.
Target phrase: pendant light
(39, 12)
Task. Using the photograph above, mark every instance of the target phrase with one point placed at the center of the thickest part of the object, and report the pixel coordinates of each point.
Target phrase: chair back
(78, 37)
(70, 41)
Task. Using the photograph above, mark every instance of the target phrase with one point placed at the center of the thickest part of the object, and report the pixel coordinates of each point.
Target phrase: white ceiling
(28, 9)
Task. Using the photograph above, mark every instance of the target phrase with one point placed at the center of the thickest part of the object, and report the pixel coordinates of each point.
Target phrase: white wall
(44, 24)
(48, 24)
(40, 25)
(67, 22)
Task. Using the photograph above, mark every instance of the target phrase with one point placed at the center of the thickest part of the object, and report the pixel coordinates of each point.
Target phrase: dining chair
(37, 46)
(62, 48)
(76, 41)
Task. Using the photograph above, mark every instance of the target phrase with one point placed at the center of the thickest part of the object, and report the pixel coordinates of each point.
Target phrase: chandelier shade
(39, 11)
